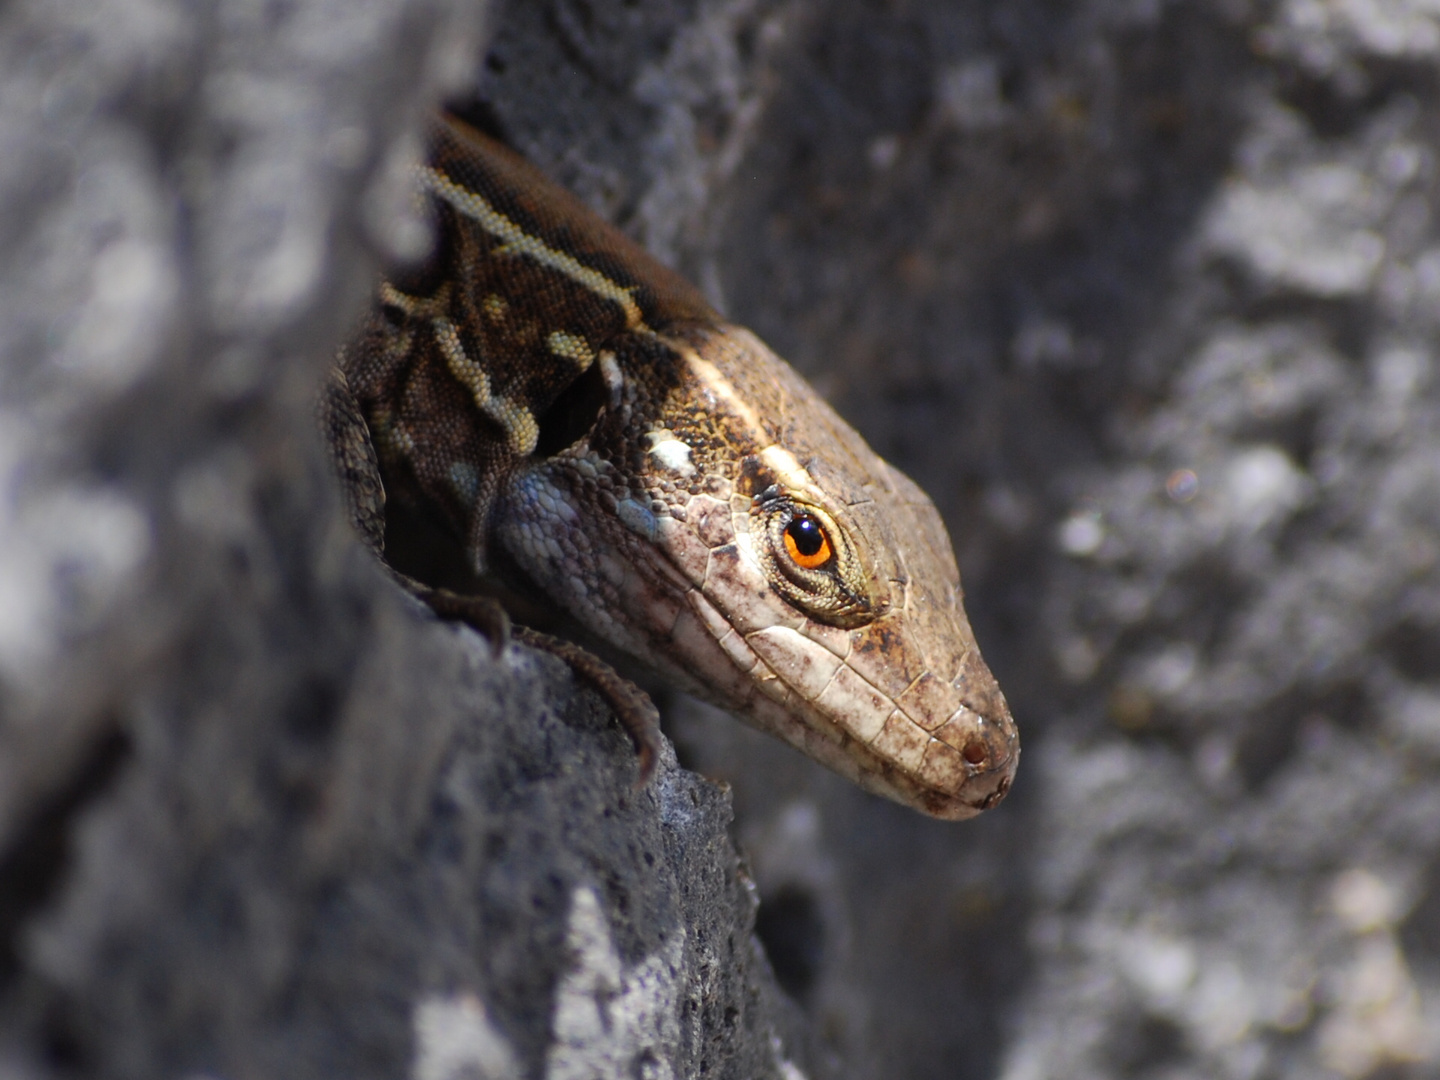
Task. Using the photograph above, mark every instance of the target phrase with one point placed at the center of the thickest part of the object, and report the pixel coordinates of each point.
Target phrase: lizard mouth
(947, 749)
(927, 774)
(968, 771)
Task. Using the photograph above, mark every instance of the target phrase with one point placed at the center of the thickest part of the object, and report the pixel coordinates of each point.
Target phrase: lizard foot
(483, 613)
(632, 706)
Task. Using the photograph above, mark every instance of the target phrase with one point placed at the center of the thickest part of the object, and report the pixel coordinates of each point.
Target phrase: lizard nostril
(975, 752)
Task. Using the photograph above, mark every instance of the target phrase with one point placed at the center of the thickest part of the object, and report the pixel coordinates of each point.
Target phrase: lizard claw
(632, 706)
(483, 613)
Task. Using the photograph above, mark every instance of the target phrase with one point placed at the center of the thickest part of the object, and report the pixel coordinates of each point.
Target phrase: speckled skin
(606, 445)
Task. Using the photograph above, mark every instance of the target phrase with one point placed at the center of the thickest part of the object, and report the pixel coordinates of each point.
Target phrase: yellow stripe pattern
(522, 431)
(515, 240)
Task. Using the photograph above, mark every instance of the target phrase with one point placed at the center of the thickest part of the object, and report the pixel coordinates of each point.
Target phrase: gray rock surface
(1144, 294)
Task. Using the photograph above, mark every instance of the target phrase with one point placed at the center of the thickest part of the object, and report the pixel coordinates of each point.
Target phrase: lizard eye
(810, 560)
(806, 542)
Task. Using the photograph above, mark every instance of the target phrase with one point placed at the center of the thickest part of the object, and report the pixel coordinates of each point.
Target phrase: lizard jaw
(902, 704)
(950, 766)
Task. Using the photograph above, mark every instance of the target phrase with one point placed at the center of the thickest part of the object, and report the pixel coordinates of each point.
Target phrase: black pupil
(805, 531)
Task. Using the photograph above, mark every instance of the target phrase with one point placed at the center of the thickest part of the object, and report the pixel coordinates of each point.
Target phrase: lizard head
(842, 582)
(731, 531)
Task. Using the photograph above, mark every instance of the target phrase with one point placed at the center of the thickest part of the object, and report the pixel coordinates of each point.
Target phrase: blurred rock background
(1142, 293)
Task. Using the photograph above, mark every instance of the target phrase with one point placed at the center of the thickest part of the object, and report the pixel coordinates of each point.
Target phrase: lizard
(589, 444)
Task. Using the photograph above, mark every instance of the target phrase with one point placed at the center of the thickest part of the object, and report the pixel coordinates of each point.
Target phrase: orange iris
(806, 542)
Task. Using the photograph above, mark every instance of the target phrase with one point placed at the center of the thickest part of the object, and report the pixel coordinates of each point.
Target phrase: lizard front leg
(353, 456)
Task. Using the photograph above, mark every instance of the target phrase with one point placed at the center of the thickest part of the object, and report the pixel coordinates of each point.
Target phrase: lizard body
(598, 440)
